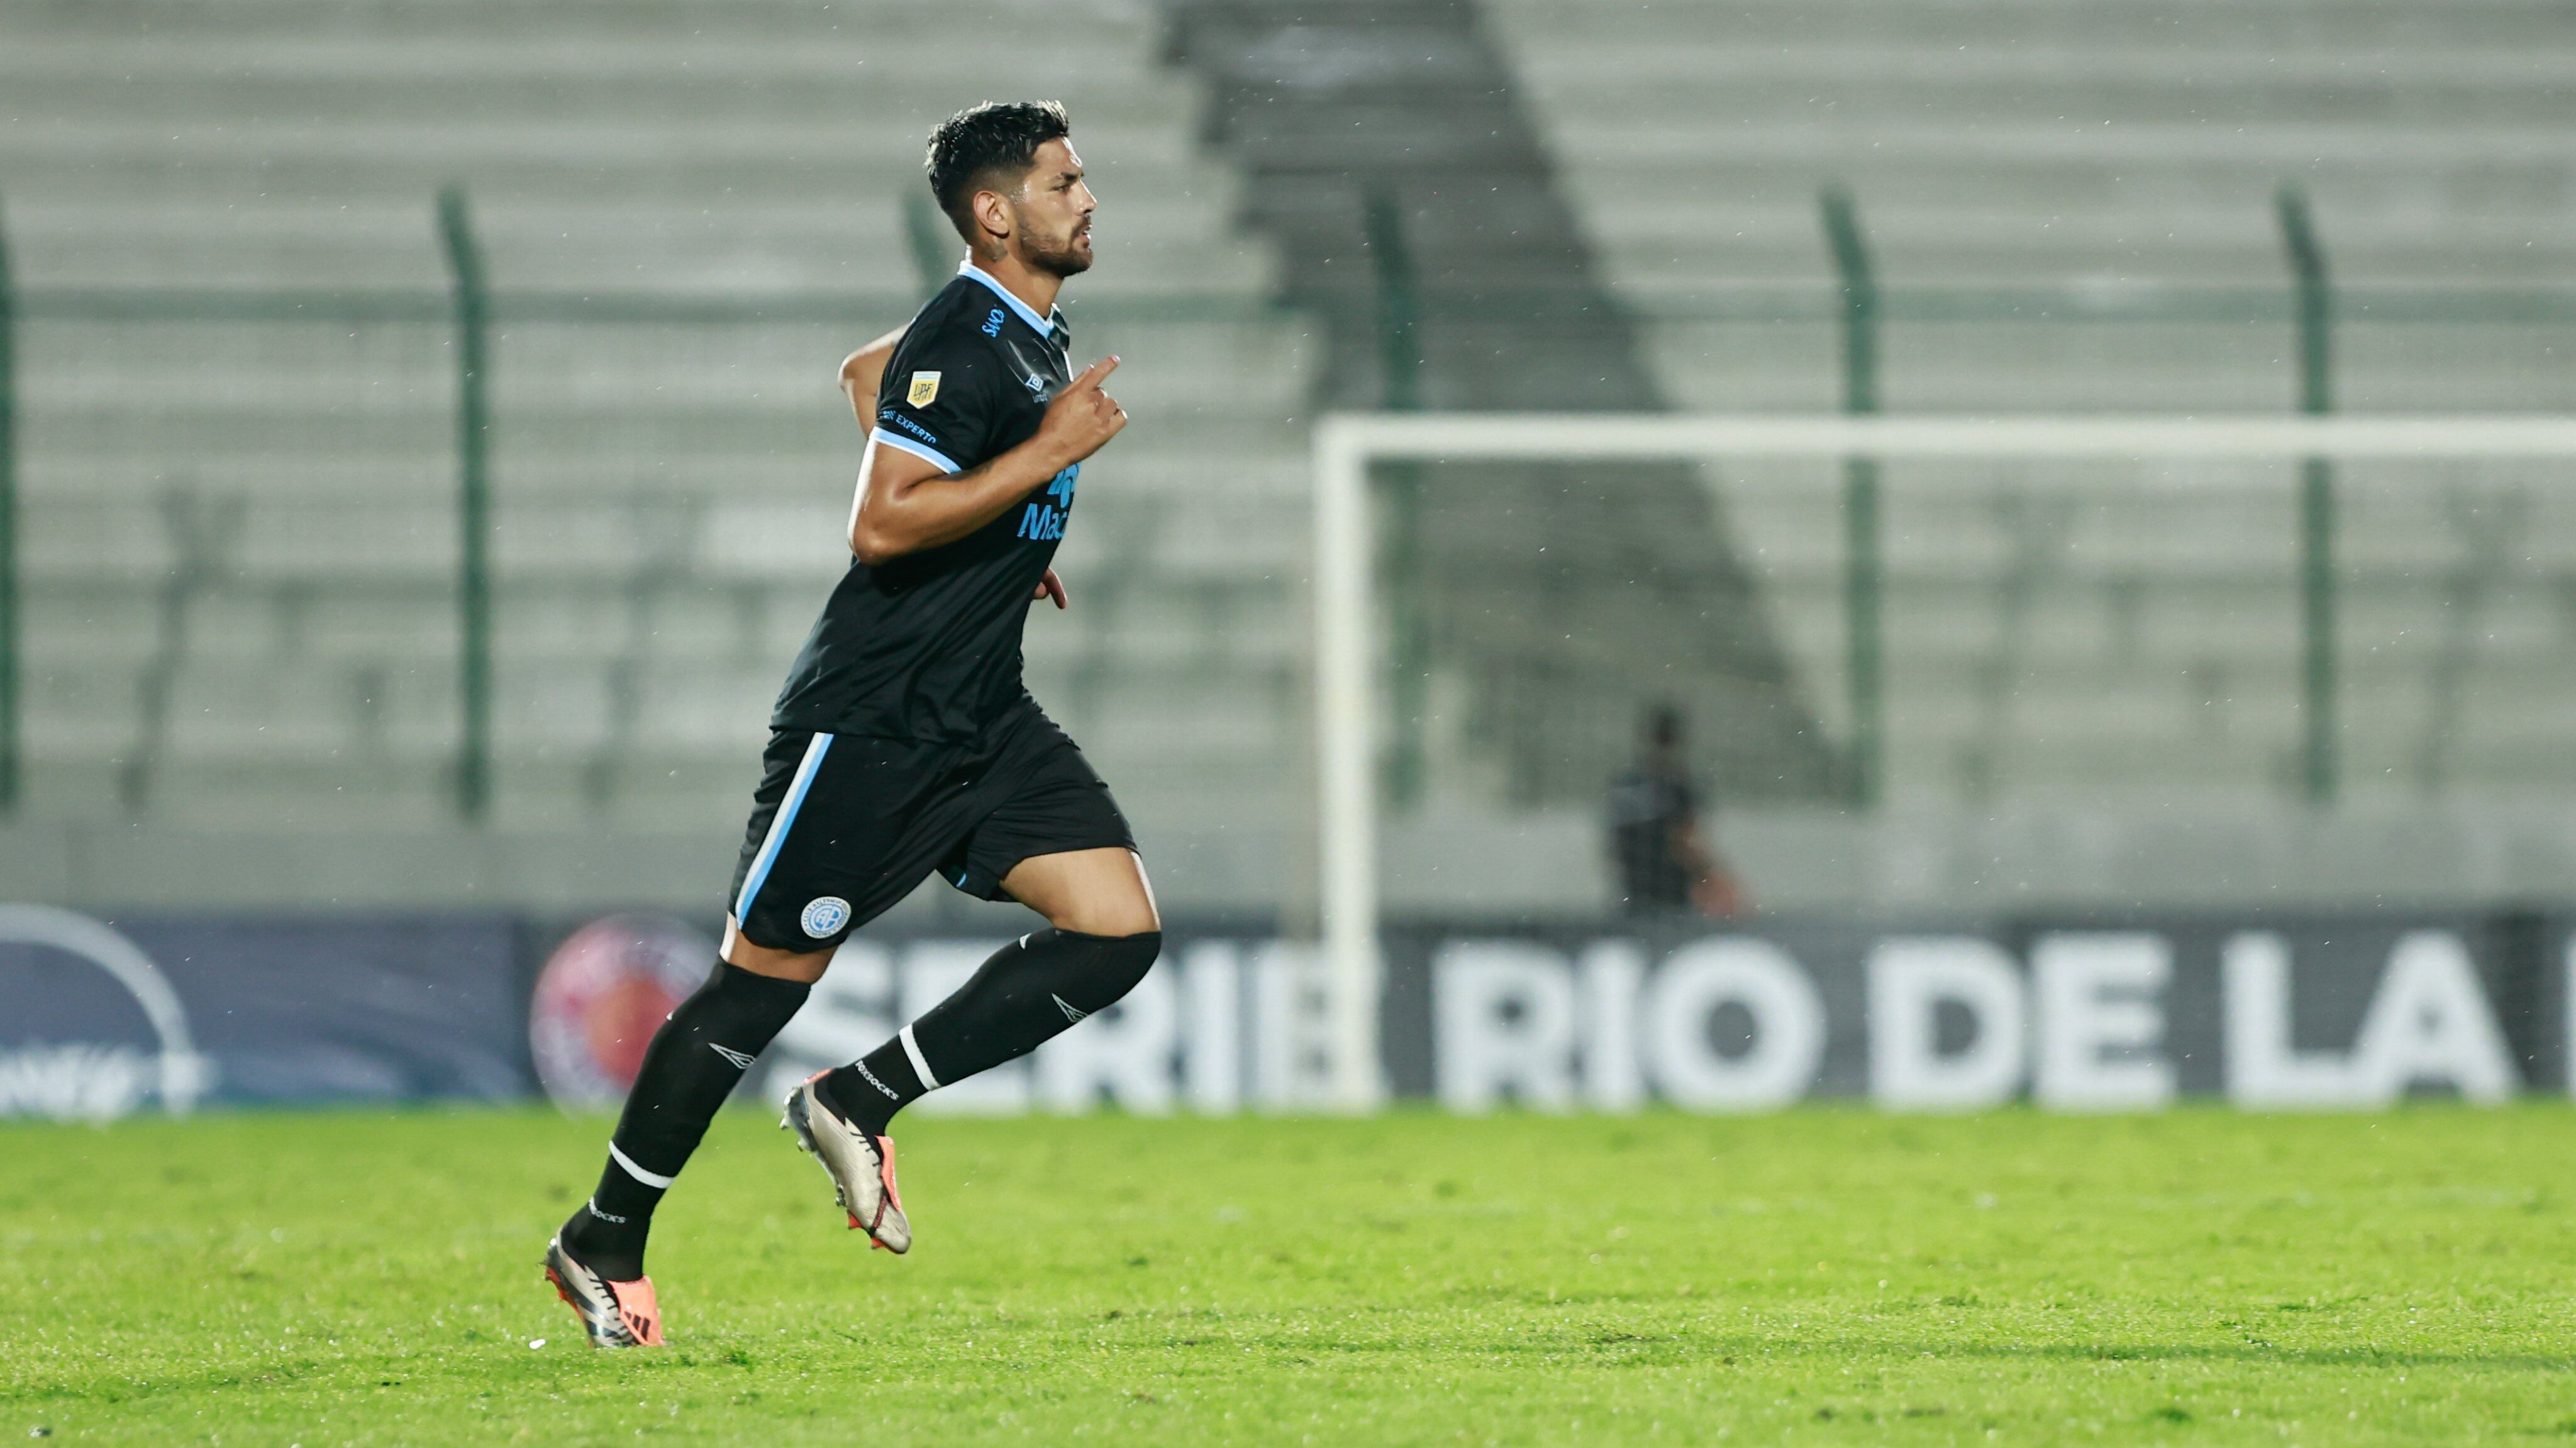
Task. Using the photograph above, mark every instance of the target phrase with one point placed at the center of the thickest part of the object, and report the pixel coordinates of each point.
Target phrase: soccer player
(904, 741)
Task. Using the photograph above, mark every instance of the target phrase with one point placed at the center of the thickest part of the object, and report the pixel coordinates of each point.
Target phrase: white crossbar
(1632, 435)
(1346, 687)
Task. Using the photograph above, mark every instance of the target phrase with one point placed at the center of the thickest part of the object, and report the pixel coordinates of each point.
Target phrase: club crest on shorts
(824, 916)
(925, 389)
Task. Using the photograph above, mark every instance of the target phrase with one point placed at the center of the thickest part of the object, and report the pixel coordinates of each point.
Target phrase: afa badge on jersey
(925, 389)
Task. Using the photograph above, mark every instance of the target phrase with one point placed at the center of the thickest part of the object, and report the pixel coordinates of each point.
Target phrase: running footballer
(905, 742)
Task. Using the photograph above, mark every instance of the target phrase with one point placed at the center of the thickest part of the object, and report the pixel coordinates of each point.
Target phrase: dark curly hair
(996, 142)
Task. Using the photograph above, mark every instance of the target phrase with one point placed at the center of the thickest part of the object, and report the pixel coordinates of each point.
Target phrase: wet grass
(1821, 1276)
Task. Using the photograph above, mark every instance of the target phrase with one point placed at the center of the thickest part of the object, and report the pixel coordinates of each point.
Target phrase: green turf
(1821, 1276)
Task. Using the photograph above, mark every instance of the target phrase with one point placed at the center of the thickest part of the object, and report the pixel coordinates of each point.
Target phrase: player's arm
(906, 503)
(862, 370)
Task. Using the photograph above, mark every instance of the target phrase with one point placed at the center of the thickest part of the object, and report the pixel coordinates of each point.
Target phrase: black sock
(1031, 990)
(694, 1062)
(870, 1090)
(606, 1233)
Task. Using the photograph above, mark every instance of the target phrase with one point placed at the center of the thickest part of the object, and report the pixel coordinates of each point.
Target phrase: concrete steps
(241, 534)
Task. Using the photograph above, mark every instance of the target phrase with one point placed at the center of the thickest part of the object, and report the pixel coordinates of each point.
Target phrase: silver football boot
(615, 1314)
(861, 1166)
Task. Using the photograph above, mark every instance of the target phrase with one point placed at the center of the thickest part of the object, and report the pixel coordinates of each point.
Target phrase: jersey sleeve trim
(888, 437)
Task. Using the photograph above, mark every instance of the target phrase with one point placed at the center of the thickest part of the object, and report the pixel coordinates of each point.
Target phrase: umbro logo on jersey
(924, 390)
(741, 1062)
(1070, 1013)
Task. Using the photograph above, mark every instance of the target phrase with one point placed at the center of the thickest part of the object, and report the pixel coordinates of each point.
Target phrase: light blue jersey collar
(1026, 314)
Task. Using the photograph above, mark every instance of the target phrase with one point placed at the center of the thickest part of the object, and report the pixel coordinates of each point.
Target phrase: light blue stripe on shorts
(781, 822)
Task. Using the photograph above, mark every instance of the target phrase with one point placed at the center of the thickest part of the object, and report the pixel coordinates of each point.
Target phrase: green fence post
(2316, 498)
(9, 612)
(934, 243)
(1399, 304)
(1399, 330)
(473, 507)
(1862, 561)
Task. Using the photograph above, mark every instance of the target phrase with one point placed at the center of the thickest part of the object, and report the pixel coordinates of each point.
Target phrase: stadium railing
(1873, 338)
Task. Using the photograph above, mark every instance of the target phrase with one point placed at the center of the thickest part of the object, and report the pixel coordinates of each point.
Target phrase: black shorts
(843, 826)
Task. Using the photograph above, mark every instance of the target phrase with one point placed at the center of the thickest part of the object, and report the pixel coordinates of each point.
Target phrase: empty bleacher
(238, 387)
(240, 524)
(2115, 166)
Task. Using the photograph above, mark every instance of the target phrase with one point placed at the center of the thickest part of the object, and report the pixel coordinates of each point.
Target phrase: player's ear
(993, 218)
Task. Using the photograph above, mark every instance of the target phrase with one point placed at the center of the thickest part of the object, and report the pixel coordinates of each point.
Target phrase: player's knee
(1110, 919)
(1116, 964)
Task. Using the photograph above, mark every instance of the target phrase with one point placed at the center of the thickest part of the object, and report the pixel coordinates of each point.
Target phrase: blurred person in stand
(1665, 864)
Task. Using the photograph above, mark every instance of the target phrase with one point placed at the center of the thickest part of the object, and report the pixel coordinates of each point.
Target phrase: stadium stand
(240, 529)
(238, 381)
(1538, 608)
(2116, 163)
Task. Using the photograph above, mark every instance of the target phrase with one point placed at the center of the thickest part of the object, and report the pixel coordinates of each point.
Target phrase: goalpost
(1347, 688)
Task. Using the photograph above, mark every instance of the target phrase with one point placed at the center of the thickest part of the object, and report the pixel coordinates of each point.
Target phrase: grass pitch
(1823, 1276)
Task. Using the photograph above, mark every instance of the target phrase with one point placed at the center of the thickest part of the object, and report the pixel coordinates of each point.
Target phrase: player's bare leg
(1103, 935)
(803, 967)
(1097, 892)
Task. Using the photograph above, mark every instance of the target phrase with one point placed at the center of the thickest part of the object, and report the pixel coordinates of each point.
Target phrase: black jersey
(927, 646)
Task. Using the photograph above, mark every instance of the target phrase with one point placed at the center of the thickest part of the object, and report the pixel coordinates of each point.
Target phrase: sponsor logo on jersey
(824, 916)
(1044, 522)
(910, 426)
(924, 390)
(993, 323)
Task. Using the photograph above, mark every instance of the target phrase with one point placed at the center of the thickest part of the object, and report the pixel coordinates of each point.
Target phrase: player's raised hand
(1083, 417)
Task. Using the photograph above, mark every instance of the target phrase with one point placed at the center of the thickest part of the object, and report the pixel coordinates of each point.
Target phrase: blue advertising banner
(2078, 1014)
(100, 1017)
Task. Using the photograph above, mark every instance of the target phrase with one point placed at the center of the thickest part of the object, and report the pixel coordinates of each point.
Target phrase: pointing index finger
(1092, 375)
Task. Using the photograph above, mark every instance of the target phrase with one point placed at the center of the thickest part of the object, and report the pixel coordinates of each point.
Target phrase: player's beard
(1061, 259)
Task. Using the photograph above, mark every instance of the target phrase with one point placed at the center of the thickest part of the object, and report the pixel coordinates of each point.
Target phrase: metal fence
(348, 438)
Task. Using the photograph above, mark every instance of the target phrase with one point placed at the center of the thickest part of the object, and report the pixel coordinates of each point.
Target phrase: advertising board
(100, 1017)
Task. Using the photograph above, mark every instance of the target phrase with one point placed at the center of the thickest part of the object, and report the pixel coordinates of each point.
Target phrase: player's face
(1051, 228)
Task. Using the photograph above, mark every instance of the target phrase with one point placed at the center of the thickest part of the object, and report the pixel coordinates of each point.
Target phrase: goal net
(2328, 606)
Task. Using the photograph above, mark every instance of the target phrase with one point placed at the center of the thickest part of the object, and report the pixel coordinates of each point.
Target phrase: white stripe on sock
(648, 1178)
(920, 1067)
